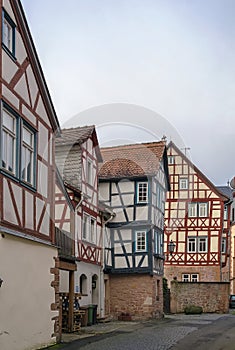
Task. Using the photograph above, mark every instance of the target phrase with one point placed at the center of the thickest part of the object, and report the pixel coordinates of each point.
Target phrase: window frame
(144, 233)
(223, 245)
(189, 244)
(88, 219)
(183, 180)
(89, 172)
(9, 134)
(200, 206)
(192, 205)
(191, 277)
(20, 124)
(171, 159)
(6, 18)
(199, 239)
(141, 183)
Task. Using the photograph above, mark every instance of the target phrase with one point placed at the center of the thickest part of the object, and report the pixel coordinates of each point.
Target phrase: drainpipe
(102, 289)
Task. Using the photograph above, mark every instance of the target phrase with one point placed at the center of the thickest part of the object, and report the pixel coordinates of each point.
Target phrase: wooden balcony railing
(65, 244)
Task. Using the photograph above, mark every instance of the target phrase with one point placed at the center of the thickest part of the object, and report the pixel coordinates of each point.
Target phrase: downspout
(75, 223)
(102, 289)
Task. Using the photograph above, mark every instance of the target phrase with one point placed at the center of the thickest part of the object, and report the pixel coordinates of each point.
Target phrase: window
(89, 228)
(202, 210)
(142, 192)
(183, 183)
(158, 242)
(83, 284)
(171, 159)
(160, 198)
(8, 142)
(141, 244)
(225, 213)
(8, 33)
(186, 277)
(197, 209)
(197, 244)
(27, 155)
(192, 210)
(89, 172)
(223, 245)
(192, 245)
(85, 227)
(18, 144)
(190, 277)
(92, 230)
(202, 244)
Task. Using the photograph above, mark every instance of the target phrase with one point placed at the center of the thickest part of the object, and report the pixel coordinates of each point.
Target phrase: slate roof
(131, 160)
(226, 190)
(78, 135)
(74, 135)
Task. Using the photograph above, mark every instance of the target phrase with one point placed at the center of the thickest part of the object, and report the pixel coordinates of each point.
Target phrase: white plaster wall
(26, 294)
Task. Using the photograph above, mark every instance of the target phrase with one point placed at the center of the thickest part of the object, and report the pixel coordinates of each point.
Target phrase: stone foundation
(206, 273)
(139, 296)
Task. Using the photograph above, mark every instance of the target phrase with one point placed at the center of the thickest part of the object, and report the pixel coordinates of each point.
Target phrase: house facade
(133, 181)
(197, 221)
(28, 256)
(77, 156)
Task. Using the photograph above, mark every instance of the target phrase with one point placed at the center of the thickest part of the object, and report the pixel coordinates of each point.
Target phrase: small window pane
(142, 192)
(183, 184)
(192, 210)
(202, 244)
(186, 277)
(203, 209)
(194, 277)
(140, 241)
(171, 159)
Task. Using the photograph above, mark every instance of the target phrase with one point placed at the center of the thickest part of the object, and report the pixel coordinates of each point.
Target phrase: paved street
(176, 332)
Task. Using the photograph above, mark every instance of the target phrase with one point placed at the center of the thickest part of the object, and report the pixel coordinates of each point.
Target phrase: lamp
(1, 282)
(171, 247)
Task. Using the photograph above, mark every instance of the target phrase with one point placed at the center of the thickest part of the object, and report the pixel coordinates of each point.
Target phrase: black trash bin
(95, 314)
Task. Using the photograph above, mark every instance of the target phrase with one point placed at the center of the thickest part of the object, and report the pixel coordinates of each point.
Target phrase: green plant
(193, 309)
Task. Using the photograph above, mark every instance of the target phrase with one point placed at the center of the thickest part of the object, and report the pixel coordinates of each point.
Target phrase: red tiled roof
(131, 160)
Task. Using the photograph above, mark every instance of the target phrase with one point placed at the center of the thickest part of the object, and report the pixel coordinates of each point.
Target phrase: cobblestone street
(152, 335)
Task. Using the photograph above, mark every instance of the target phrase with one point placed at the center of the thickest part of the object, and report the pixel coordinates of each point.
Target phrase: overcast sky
(175, 58)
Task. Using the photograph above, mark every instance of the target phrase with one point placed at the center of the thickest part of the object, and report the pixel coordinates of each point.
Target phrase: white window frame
(192, 210)
(142, 193)
(8, 33)
(10, 138)
(85, 227)
(93, 229)
(183, 183)
(202, 210)
(225, 212)
(141, 241)
(190, 277)
(171, 159)
(27, 150)
(186, 277)
(158, 242)
(202, 241)
(89, 172)
(192, 241)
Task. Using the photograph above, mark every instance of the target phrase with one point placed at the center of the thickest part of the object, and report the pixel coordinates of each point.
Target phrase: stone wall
(206, 273)
(139, 295)
(211, 296)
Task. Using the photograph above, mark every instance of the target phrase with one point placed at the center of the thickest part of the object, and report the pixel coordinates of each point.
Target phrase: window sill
(18, 181)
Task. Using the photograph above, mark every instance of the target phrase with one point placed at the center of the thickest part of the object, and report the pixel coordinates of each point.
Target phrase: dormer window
(8, 33)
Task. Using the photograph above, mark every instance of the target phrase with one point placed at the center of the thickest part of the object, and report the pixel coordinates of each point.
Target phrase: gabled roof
(136, 160)
(205, 179)
(35, 63)
(78, 135)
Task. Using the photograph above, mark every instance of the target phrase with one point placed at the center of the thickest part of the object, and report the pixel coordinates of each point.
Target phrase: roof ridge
(135, 145)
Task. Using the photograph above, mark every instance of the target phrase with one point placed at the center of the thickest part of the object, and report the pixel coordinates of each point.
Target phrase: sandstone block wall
(139, 295)
(206, 273)
(211, 296)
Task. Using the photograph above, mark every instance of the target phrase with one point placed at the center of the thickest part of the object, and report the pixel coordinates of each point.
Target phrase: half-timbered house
(197, 221)
(28, 256)
(77, 156)
(133, 181)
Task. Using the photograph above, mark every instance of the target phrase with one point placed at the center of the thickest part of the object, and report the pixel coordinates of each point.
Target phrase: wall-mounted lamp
(1, 282)
(170, 249)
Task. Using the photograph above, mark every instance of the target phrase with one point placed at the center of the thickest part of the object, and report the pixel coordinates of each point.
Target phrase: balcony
(65, 244)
